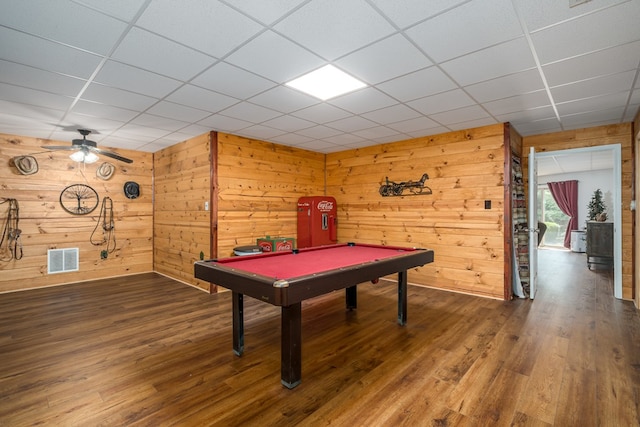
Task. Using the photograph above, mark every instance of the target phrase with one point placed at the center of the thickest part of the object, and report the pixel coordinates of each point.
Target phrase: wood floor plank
(145, 350)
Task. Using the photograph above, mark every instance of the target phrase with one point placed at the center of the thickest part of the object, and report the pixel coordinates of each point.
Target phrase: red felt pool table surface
(286, 265)
(287, 278)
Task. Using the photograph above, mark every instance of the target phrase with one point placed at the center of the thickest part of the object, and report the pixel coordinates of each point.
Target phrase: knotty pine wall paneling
(259, 185)
(465, 168)
(45, 225)
(591, 137)
(636, 213)
(182, 227)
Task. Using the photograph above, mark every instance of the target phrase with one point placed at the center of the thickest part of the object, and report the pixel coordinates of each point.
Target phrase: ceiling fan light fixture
(83, 156)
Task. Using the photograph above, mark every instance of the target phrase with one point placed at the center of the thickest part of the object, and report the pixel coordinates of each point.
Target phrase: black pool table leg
(402, 297)
(238, 323)
(351, 294)
(291, 345)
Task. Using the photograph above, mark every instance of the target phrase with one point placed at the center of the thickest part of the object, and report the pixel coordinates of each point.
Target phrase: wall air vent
(62, 260)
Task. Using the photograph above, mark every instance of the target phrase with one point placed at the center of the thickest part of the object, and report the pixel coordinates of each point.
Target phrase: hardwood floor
(148, 351)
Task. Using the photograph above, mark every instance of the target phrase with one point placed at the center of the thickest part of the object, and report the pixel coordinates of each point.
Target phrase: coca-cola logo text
(325, 205)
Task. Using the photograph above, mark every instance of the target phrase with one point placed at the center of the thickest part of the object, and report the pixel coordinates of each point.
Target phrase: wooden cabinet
(599, 243)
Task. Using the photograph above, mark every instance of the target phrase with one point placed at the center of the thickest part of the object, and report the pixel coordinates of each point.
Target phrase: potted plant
(597, 207)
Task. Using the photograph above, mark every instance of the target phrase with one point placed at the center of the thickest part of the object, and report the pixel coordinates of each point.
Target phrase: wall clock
(79, 199)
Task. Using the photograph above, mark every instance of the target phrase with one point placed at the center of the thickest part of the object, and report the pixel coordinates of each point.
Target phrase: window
(555, 220)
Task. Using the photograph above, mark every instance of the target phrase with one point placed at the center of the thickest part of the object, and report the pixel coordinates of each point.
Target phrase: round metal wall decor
(79, 199)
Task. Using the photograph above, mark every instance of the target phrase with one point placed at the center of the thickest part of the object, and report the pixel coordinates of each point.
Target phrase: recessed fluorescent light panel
(326, 83)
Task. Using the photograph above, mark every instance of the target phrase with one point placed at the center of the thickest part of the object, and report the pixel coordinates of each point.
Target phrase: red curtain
(565, 193)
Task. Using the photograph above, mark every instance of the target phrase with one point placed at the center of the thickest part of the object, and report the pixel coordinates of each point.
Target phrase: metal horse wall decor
(415, 188)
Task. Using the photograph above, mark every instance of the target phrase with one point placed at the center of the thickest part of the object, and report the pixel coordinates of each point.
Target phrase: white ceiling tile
(418, 84)
(506, 58)
(267, 12)
(577, 120)
(363, 100)
(538, 127)
(117, 97)
(64, 22)
(233, 81)
(202, 99)
(321, 113)
(477, 24)
(588, 33)
(506, 86)
(472, 123)
(352, 124)
(346, 139)
(251, 112)
(122, 9)
(136, 80)
(445, 101)
(187, 132)
(595, 103)
(177, 111)
(333, 28)
(291, 139)
(139, 132)
(429, 131)
(386, 59)
(376, 132)
(275, 58)
(460, 115)
(589, 56)
(25, 49)
(22, 75)
(395, 113)
(533, 114)
(288, 123)
(319, 132)
(284, 99)
(100, 125)
(543, 13)
(407, 12)
(46, 116)
(609, 61)
(518, 103)
(322, 146)
(594, 87)
(224, 123)
(157, 122)
(95, 109)
(260, 132)
(148, 51)
(34, 97)
(208, 26)
(414, 125)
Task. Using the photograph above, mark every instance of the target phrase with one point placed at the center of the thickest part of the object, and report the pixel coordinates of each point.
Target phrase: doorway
(613, 172)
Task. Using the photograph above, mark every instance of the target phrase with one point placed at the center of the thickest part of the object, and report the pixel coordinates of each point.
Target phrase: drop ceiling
(146, 74)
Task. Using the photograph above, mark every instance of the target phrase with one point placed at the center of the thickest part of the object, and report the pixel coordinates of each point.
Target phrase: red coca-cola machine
(317, 221)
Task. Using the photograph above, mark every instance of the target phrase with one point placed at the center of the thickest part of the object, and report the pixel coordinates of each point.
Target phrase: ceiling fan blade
(110, 154)
(61, 147)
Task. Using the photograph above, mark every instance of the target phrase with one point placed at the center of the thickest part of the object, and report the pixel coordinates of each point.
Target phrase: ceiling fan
(86, 151)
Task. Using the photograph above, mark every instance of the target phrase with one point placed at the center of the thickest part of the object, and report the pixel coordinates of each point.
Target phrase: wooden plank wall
(636, 192)
(465, 169)
(591, 137)
(259, 185)
(181, 224)
(45, 225)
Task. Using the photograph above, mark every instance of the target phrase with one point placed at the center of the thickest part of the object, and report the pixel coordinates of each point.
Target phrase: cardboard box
(276, 244)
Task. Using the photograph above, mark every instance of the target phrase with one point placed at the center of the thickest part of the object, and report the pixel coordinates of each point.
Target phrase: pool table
(289, 277)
